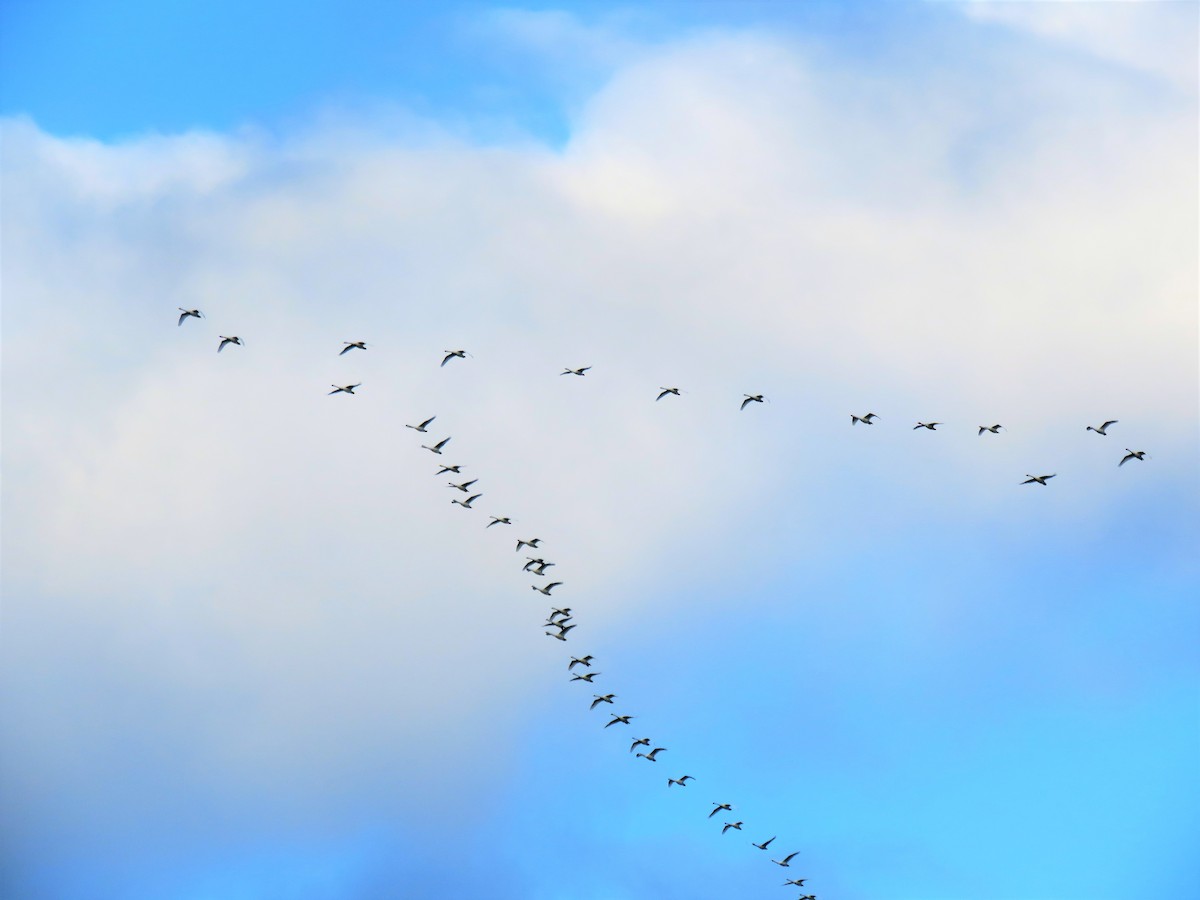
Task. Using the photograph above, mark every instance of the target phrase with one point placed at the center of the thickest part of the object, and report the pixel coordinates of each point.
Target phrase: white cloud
(1156, 38)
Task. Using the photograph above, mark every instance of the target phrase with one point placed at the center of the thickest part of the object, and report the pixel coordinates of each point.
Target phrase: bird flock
(560, 621)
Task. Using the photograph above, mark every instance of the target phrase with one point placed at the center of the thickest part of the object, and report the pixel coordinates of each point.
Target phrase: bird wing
(744, 402)
(1109, 422)
(788, 858)
(552, 585)
(221, 346)
(346, 349)
(442, 443)
(183, 316)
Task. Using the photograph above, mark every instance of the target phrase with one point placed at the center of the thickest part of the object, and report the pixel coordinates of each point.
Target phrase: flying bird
(547, 589)
(1037, 479)
(682, 782)
(566, 612)
(866, 420)
(562, 630)
(586, 676)
(452, 354)
(653, 753)
(352, 345)
(725, 806)
(602, 698)
(542, 567)
(1103, 429)
(798, 882)
(580, 661)
(444, 469)
(423, 427)
(464, 486)
(752, 398)
(1131, 454)
(994, 429)
(466, 504)
(345, 389)
(574, 371)
(734, 825)
(436, 448)
(560, 636)
(498, 520)
(640, 742)
(624, 720)
(531, 543)
(932, 426)
(532, 562)
(764, 845)
(227, 340)
(666, 391)
(189, 313)
(787, 860)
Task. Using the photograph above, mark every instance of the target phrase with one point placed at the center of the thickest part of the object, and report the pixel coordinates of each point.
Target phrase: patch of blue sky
(115, 69)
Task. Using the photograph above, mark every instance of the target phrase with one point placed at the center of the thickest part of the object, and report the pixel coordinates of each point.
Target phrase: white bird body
(454, 354)
(228, 340)
(1103, 429)
(436, 448)
(579, 371)
(728, 807)
(189, 313)
(624, 720)
(994, 429)
(423, 427)
(666, 391)
(532, 544)
(932, 426)
(498, 520)
(752, 398)
(653, 753)
(466, 504)
(547, 589)
(602, 698)
(586, 676)
(352, 345)
(734, 825)
(787, 860)
(682, 782)
(344, 389)
(581, 661)
(464, 487)
(1131, 454)
(764, 845)
(868, 419)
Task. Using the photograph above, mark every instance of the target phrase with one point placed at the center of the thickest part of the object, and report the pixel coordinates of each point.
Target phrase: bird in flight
(498, 520)
(580, 661)
(464, 487)
(532, 543)
(868, 419)
(602, 698)
(574, 371)
(436, 448)
(764, 845)
(624, 720)
(751, 398)
(227, 340)
(560, 636)
(725, 806)
(653, 753)
(562, 629)
(640, 742)
(666, 391)
(1037, 479)
(453, 354)
(734, 825)
(442, 470)
(682, 782)
(423, 427)
(586, 676)
(1103, 429)
(798, 882)
(994, 429)
(1131, 454)
(466, 504)
(565, 613)
(352, 345)
(932, 426)
(189, 313)
(547, 589)
(787, 860)
(345, 389)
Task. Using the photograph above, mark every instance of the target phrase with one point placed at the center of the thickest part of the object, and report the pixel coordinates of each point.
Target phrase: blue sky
(252, 651)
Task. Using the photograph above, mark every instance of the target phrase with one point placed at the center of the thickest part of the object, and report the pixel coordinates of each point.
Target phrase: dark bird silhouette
(227, 340)
(189, 313)
(352, 345)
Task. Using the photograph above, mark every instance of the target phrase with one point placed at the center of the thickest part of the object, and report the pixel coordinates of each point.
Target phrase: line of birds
(868, 419)
(560, 620)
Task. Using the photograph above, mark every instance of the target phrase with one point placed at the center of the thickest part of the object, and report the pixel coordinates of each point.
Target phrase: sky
(250, 649)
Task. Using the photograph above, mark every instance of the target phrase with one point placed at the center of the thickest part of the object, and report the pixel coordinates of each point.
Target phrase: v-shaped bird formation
(560, 622)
